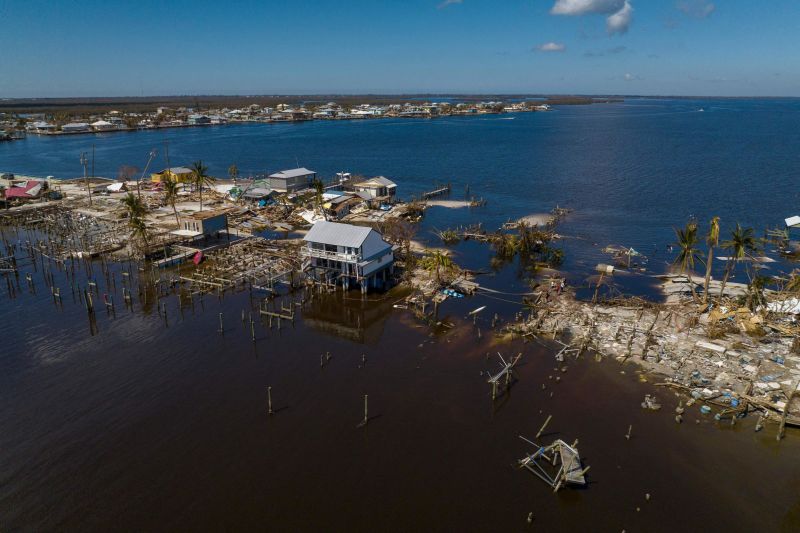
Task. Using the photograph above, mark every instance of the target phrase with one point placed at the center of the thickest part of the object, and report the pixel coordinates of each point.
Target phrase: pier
(440, 191)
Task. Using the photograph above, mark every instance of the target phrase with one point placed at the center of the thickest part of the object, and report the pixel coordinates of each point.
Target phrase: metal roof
(337, 234)
(342, 198)
(377, 181)
(257, 192)
(177, 170)
(293, 173)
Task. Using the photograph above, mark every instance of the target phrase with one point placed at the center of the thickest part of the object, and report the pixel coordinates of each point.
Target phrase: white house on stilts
(351, 254)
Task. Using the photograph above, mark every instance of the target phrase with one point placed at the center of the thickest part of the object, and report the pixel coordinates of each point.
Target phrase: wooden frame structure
(556, 464)
(507, 373)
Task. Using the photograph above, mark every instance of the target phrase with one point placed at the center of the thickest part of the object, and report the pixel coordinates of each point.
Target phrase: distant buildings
(103, 125)
(257, 195)
(202, 224)
(377, 188)
(43, 127)
(20, 191)
(198, 120)
(163, 117)
(352, 254)
(338, 206)
(76, 127)
(177, 174)
(289, 181)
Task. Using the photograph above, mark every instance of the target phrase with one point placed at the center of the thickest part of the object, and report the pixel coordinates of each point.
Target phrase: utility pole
(84, 161)
(153, 154)
(90, 190)
(166, 156)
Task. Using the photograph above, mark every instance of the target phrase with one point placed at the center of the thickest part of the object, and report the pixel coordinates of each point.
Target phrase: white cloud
(583, 7)
(630, 77)
(551, 47)
(449, 3)
(619, 12)
(620, 21)
(696, 8)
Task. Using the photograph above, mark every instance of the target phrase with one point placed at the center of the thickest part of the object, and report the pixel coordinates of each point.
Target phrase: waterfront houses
(42, 127)
(177, 174)
(377, 188)
(76, 127)
(338, 206)
(19, 190)
(197, 120)
(103, 125)
(290, 181)
(351, 254)
(206, 223)
(165, 117)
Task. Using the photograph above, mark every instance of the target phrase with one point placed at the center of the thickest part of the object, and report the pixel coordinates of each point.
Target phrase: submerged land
(730, 345)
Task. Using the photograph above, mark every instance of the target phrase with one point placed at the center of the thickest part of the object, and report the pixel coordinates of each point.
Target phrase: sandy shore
(452, 204)
(536, 219)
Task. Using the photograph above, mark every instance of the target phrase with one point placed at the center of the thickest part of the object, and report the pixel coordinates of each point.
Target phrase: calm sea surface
(128, 422)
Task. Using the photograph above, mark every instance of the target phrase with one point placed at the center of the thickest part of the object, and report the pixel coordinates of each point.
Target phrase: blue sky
(673, 47)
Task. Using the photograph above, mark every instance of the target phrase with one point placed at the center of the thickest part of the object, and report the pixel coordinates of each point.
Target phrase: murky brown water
(147, 427)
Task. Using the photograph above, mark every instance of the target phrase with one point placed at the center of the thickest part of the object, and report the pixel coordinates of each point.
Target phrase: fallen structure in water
(557, 464)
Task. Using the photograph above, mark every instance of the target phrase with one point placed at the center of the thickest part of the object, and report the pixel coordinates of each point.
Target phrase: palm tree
(687, 252)
(505, 245)
(233, 172)
(139, 229)
(200, 178)
(136, 212)
(526, 237)
(171, 195)
(319, 188)
(755, 291)
(438, 260)
(741, 244)
(133, 205)
(712, 240)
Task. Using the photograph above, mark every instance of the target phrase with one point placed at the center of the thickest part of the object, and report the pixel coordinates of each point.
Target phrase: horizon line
(387, 94)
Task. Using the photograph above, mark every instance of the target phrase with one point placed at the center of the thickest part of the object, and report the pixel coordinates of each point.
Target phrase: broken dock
(556, 464)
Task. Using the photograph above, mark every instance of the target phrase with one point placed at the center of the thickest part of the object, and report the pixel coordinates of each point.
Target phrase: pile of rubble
(735, 359)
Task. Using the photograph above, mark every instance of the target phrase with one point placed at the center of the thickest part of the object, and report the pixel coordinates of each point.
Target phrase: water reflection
(348, 316)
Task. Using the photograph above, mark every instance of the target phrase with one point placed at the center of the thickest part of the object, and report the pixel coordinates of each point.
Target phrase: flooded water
(141, 423)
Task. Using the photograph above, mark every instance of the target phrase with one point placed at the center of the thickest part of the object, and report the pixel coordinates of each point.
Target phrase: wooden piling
(541, 430)
(366, 416)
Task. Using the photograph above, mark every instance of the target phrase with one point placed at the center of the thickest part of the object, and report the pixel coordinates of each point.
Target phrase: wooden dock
(436, 192)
